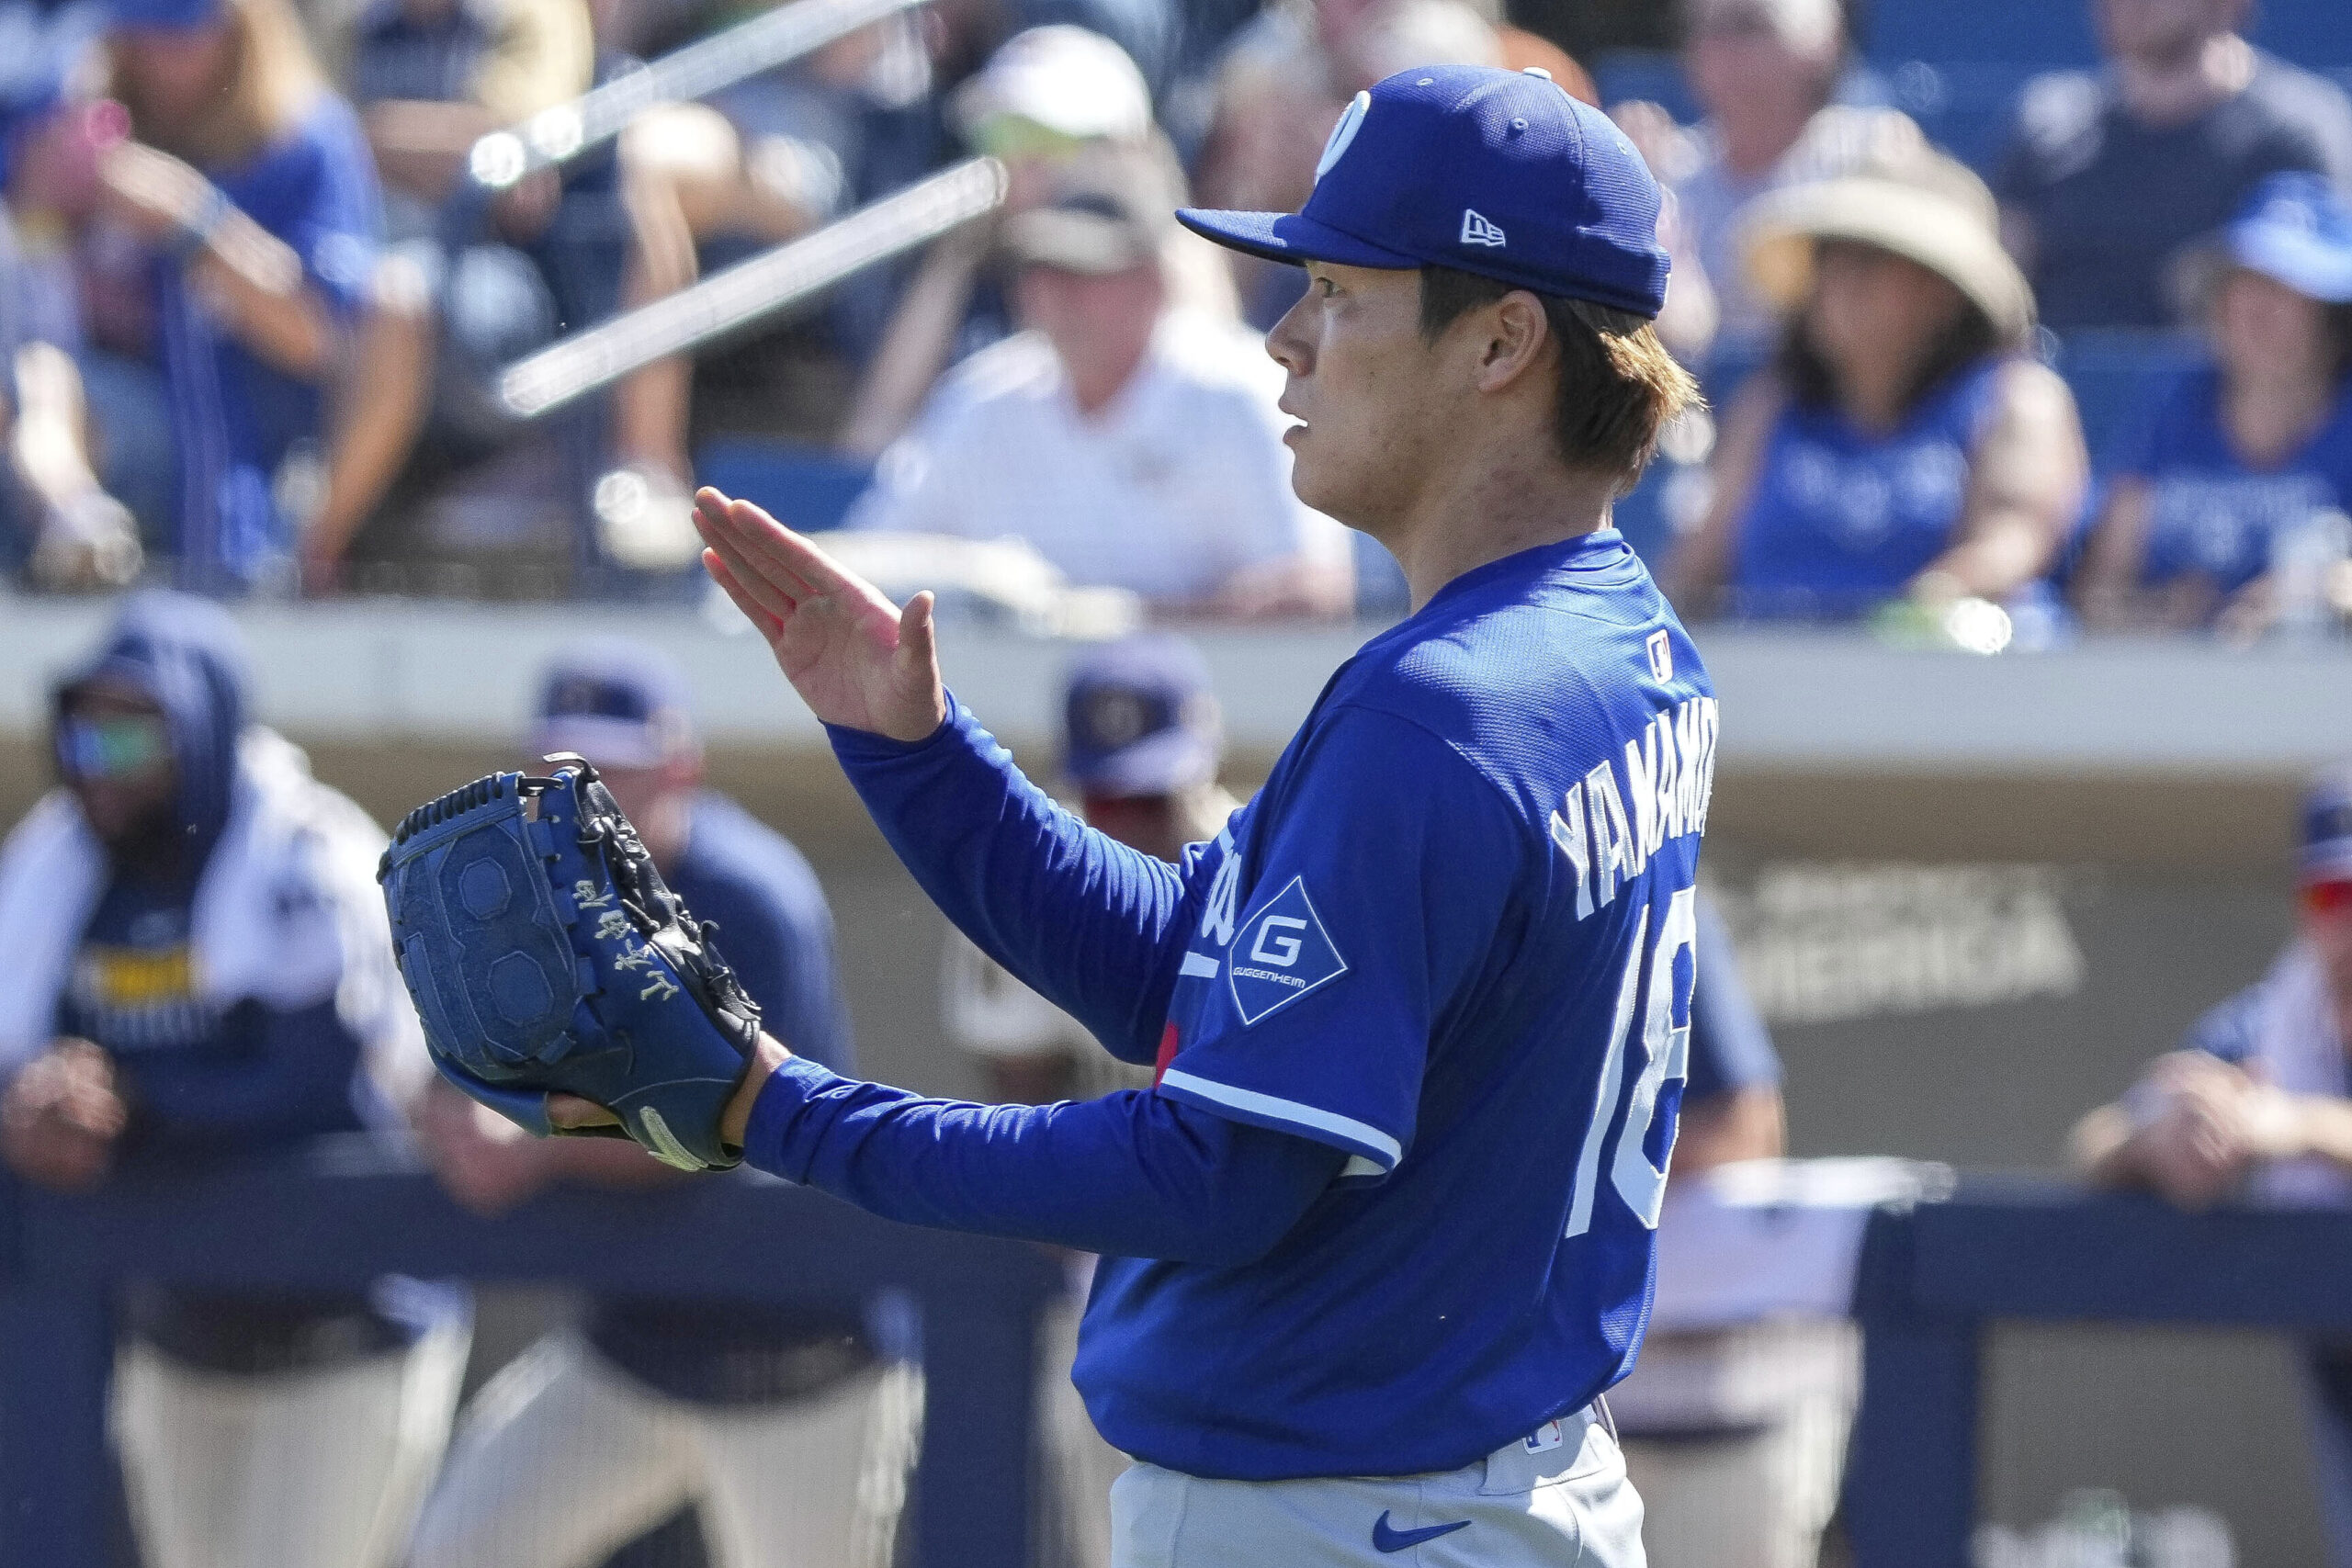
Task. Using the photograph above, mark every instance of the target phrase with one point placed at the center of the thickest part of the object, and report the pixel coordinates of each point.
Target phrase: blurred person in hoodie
(203, 970)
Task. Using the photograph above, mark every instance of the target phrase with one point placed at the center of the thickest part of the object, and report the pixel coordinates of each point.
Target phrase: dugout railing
(340, 1215)
(1934, 1278)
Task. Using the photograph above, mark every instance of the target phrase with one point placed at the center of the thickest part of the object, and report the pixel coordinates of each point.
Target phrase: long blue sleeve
(1086, 922)
(1133, 1175)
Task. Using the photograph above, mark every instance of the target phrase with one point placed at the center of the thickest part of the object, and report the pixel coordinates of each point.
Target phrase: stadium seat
(2113, 375)
(808, 487)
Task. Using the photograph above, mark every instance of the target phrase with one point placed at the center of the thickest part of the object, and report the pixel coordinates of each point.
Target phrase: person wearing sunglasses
(2257, 1103)
(200, 968)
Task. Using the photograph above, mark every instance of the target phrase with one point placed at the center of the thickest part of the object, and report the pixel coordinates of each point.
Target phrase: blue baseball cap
(1493, 172)
(2296, 229)
(2327, 827)
(1140, 719)
(618, 703)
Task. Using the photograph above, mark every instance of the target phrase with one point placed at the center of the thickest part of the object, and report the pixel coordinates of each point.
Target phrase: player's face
(1360, 386)
(1151, 823)
(117, 755)
(2327, 925)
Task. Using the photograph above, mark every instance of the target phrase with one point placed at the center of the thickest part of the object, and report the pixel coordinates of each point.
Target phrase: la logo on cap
(1351, 118)
(1477, 230)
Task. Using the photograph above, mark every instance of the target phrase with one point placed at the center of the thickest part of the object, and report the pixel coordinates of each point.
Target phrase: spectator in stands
(1764, 71)
(1292, 69)
(2257, 1102)
(80, 285)
(2249, 445)
(2109, 177)
(788, 1428)
(1142, 742)
(251, 186)
(200, 965)
(1906, 447)
(1132, 444)
(60, 527)
(452, 307)
(1050, 95)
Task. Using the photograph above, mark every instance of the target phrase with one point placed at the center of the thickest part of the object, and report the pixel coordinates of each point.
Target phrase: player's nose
(1289, 344)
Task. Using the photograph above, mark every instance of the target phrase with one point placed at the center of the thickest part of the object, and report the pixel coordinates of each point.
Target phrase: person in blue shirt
(1383, 1232)
(200, 971)
(2246, 446)
(775, 1423)
(2257, 1102)
(250, 185)
(1906, 450)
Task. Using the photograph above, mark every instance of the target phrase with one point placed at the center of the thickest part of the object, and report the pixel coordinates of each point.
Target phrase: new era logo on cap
(1478, 230)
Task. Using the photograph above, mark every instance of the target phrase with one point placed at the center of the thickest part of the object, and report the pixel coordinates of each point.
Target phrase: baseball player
(1142, 740)
(198, 964)
(2257, 1102)
(788, 1428)
(1381, 1235)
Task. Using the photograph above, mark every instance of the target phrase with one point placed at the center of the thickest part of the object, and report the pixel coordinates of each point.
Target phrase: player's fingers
(762, 590)
(714, 521)
(773, 544)
(570, 1112)
(767, 625)
(745, 530)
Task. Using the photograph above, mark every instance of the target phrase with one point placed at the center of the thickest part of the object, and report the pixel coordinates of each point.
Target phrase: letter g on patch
(1282, 953)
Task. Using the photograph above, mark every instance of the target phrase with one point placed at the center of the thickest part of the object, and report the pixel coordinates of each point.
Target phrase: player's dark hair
(1619, 387)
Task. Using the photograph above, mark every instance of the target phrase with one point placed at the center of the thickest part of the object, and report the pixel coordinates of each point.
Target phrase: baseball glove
(546, 956)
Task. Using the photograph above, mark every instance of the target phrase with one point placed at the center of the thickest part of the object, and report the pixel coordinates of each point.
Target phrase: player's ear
(1517, 333)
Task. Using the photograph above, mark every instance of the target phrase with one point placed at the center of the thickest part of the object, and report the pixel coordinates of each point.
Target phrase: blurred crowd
(256, 292)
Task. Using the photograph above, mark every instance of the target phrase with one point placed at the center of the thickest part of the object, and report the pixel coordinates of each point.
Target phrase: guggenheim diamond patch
(1282, 953)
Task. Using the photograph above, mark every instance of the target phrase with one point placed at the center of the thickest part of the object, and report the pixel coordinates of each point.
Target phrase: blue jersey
(1453, 938)
(1843, 518)
(234, 415)
(2212, 512)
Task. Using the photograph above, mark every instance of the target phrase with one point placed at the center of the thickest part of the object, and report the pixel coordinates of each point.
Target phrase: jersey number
(1666, 1049)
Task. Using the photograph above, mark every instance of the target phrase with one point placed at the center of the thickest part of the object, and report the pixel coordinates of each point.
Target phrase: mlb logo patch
(1661, 656)
(1281, 953)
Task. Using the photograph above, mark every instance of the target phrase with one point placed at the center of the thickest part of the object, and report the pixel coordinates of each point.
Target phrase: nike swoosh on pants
(1384, 1539)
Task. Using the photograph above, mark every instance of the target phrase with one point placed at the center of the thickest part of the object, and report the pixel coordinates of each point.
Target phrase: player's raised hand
(857, 660)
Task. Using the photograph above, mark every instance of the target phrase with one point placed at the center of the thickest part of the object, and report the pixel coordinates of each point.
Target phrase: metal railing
(1934, 1277)
(342, 1214)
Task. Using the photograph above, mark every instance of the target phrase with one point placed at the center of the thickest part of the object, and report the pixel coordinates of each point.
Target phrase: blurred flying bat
(727, 301)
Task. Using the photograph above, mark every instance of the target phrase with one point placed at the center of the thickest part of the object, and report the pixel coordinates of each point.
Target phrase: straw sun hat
(1927, 208)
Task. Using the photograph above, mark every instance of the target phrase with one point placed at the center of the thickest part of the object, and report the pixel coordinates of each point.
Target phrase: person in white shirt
(1133, 444)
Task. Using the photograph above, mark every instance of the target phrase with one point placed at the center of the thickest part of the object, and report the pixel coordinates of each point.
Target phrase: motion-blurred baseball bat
(565, 131)
(726, 301)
